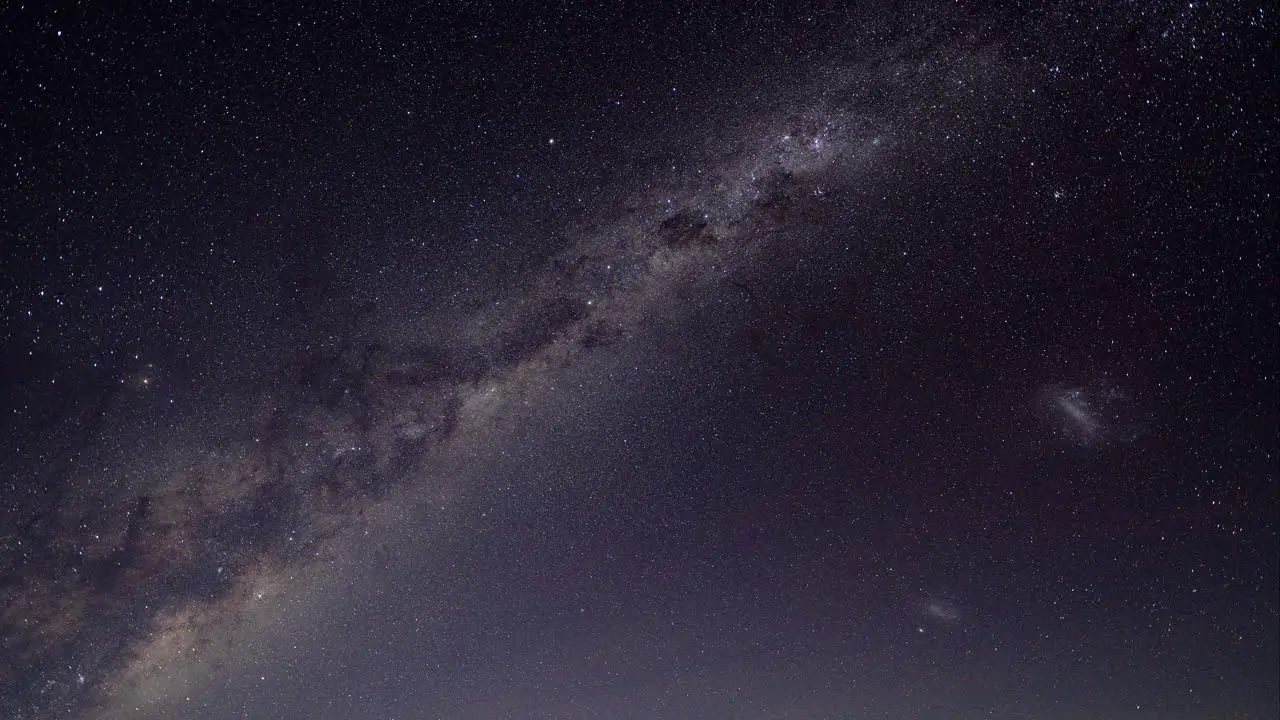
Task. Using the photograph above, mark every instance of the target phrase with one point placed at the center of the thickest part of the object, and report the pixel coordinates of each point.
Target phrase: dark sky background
(741, 360)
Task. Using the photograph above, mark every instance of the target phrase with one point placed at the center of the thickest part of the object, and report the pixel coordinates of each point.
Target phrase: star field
(641, 361)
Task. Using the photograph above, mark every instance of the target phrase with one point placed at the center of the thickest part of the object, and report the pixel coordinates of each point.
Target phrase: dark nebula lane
(761, 361)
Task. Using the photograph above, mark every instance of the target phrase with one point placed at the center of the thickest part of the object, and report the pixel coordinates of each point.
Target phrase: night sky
(740, 360)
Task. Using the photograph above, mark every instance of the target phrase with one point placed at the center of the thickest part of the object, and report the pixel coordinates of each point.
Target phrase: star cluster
(753, 361)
